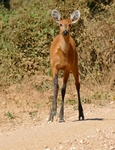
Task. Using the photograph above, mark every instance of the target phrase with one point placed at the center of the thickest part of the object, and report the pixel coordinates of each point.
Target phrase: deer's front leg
(53, 110)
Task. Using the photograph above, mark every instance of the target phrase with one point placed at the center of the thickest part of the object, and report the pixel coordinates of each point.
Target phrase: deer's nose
(65, 32)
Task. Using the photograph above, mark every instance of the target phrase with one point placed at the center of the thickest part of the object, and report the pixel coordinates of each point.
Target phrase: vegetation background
(26, 32)
(26, 87)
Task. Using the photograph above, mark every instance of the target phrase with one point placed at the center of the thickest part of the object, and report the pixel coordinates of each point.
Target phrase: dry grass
(27, 31)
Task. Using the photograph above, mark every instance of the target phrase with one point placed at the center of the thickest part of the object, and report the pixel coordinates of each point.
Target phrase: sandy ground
(24, 113)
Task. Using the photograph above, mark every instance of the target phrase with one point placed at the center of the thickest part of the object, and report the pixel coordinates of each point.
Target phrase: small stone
(111, 102)
(73, 147)
(47, 119)
(98, 130)
(61, 147)
(81, 141)
(46, 148)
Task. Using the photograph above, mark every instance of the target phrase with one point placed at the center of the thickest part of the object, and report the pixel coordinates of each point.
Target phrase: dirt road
(24, 112)
(96, 132)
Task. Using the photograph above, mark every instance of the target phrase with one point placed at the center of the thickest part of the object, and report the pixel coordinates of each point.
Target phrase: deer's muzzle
(65, 32)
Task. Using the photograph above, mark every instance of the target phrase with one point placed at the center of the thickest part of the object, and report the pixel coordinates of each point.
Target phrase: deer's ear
(74, 17)
(56, 15)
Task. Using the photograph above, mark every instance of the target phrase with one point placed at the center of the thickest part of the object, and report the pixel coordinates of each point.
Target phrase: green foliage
(71, 102)
(9, 115)
(33, 113)
(101, 98)
(27, 30)
(37, 105)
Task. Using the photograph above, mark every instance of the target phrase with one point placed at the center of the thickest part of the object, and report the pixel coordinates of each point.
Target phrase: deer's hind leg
(63, 91)
(77, 84)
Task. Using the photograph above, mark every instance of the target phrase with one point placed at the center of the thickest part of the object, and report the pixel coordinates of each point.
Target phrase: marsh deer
(63, 56)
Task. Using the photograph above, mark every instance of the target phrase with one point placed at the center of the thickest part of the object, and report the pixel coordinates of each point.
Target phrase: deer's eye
(69, 25)
(60, 25)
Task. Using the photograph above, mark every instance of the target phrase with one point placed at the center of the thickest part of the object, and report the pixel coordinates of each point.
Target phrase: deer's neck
(64, 44)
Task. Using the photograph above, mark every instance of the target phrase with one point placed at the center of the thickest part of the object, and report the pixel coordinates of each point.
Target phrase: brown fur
(63, 56)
